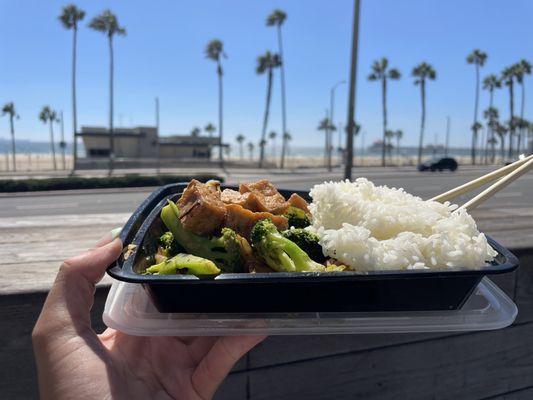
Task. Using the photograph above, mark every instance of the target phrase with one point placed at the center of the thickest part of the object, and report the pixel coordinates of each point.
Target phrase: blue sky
(162, 55)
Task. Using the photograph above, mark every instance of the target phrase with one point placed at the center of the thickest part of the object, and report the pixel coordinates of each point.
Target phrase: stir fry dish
(254, 229)
(355, 226)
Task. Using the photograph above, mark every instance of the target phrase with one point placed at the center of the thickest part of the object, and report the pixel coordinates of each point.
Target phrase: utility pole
(447, 137)
(158, 149)
(351, 99)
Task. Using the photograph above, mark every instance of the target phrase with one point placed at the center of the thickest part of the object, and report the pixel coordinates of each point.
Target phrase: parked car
(439, 164)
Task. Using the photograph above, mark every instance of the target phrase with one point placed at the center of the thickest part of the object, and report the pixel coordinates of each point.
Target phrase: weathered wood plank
(469, 366)
(519, 394)
(524, 286)
(32, 277)
(18, 315)
(234, 387)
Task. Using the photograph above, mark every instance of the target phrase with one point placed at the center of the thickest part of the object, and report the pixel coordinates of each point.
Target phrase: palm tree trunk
(265, 119)
(283, 104)
(326, 146)
(220, 114)
(11, 116)
(511, 120)
(111, 133)
(384, 105)
(521, 128)
(52, 145)
(398, 149)
(74, 109)
(474, 126)
(491, 130)
(63, 144)
(502, 145)
(241, 151)
(422, 119)
(329, 132)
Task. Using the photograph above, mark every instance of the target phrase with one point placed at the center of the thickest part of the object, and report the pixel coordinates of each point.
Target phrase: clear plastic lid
(129, 309)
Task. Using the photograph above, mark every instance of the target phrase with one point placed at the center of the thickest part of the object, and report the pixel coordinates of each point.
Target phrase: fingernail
(115, 232)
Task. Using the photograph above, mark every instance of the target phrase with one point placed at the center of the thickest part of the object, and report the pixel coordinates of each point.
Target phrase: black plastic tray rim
(149, 210)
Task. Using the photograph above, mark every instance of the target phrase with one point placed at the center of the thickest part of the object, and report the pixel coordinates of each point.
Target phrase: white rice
(370, 227)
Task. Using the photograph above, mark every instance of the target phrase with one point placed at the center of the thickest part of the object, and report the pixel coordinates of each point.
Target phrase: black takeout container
(412, 290)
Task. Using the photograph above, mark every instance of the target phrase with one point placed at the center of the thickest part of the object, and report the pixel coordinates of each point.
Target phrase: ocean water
(27, 146)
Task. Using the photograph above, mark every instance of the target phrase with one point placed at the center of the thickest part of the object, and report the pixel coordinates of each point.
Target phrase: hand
(73, 362)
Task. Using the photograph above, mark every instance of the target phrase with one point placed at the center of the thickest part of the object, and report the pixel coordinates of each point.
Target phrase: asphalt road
(518, 195)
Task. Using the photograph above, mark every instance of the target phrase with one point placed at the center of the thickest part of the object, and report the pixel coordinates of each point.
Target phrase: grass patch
(70, 183)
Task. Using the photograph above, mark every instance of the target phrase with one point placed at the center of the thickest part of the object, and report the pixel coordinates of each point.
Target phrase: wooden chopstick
(482, 180)
(496, 187)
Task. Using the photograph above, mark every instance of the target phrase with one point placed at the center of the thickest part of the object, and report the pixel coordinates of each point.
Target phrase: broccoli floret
(281, 254)
(307, 241)
(167, 245)
(297, 217)
(224, 251)
(185, 263)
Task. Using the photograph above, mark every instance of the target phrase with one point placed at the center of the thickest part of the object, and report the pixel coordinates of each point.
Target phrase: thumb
(66, 311)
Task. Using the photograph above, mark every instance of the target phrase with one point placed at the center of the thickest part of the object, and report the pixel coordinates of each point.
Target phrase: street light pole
(351, 102)
(331, 108)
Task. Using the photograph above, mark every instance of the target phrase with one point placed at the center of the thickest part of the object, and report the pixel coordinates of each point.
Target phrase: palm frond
(276, 18)
(70, 16)
(214, 50)
(9, 108)
(394, 74)
(107, 23)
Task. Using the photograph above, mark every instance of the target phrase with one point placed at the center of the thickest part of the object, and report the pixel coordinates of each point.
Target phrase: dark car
(439, 164)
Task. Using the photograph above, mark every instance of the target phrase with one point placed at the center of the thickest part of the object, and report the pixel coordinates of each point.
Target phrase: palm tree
(287, 137)
(387, 144)
(326, 126)
(69, 18)
(491, 83)
(195, 132)
(272, 136)
(240, 139)
(210, 128)
(476, 126)
(530, 137)
(277, 18)
(478, 58)
(523, 68)
(399, 135)
(508, 78)
(251, 148)
(9, 109)
(491, 114)
(423, 72)
(266, 64)
(107, 23)
(215, 51)
(47, 115)
(382, 73)
(501, 130)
